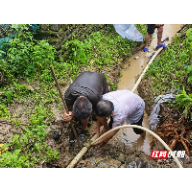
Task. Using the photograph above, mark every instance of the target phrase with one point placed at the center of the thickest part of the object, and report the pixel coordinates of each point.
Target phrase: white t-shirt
(128, 106)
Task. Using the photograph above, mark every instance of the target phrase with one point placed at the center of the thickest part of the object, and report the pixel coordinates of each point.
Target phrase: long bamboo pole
(64, 105)
(84, 150)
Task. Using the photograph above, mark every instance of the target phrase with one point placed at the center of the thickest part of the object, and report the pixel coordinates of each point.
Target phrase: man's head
(104, 108)
(82, 108)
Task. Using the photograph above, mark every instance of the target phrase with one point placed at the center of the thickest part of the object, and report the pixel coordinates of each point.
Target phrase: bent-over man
(121, 105)
(83, 95)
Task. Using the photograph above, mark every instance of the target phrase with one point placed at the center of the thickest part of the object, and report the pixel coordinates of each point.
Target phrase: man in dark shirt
(83, 95)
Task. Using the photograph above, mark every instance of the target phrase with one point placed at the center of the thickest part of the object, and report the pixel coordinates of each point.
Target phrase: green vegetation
(29, 59)
(174, 69)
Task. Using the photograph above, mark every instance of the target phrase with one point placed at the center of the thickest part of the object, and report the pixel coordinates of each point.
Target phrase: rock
(139, 163)
(44, 27)
(111, 166)
(147, 165)
(57, 135)
(173, 76)
(113, 162)
(130, 166)
(129, 160)
(53, 128)
(55, 27)
(133, 164)
(123, 166)
(121, 158)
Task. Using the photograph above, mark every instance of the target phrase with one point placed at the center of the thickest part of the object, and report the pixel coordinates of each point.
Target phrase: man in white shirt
(122, 105)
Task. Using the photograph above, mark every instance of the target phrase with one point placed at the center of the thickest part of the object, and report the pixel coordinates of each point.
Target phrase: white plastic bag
(129, 31)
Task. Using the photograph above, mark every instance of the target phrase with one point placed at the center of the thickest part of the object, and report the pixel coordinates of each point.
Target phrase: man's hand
(100, 143)
(96, 131)
(68, 117)
(158, 25)
(105, 129)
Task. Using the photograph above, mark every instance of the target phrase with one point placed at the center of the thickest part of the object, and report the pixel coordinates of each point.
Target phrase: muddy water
(133, 69)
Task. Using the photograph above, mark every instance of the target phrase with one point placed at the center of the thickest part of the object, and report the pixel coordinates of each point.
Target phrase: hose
(145, 129)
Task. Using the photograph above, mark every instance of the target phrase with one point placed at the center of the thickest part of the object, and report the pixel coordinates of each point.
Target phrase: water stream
(133, 68)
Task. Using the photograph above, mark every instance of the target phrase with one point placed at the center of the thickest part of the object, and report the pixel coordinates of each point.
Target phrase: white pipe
(145, 129)
(142, 74)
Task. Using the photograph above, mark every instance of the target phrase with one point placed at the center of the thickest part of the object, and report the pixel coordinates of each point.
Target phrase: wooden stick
(181, 28)
(64, 104)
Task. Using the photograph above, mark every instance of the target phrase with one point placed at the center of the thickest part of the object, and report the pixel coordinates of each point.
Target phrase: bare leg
(159, 35)
(147, 38)
(143, 134)
(84, 123)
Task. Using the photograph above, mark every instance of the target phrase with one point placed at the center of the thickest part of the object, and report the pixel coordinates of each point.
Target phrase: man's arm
(106, 138)
(110, 135)
(69, 100)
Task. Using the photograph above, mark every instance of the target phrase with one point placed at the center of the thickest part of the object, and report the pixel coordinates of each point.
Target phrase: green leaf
(186, 108)
(189, 78)
(189, 69)
(5, 146)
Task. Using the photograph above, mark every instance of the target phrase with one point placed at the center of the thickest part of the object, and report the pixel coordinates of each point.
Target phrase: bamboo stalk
(64, 104)
(82, 152)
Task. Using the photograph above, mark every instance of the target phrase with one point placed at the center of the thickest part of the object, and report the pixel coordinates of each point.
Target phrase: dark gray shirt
(89, 84)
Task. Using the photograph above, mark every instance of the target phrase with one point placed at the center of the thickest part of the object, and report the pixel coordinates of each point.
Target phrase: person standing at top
(150, 30)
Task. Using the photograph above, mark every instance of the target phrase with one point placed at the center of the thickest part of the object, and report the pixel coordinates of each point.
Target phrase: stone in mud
(129, 160)
(123, 166)
(173, 76)
(147, 165)
(133, 164)
(56, 135)
(111, 166)
(44, 27)
(139, 163)
(53, 128)
(121, 158)
(113, 162)
(55, 27)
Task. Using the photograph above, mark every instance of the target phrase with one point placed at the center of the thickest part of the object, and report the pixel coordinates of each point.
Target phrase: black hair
(82, 108)
(104, 108)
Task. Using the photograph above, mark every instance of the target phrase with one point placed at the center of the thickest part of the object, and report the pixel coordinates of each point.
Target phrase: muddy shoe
(71, 143)
(82, 138)
(86, 133)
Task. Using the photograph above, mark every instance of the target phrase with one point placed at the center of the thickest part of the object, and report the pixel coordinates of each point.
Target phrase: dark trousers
(137, 131)
(151, 28)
